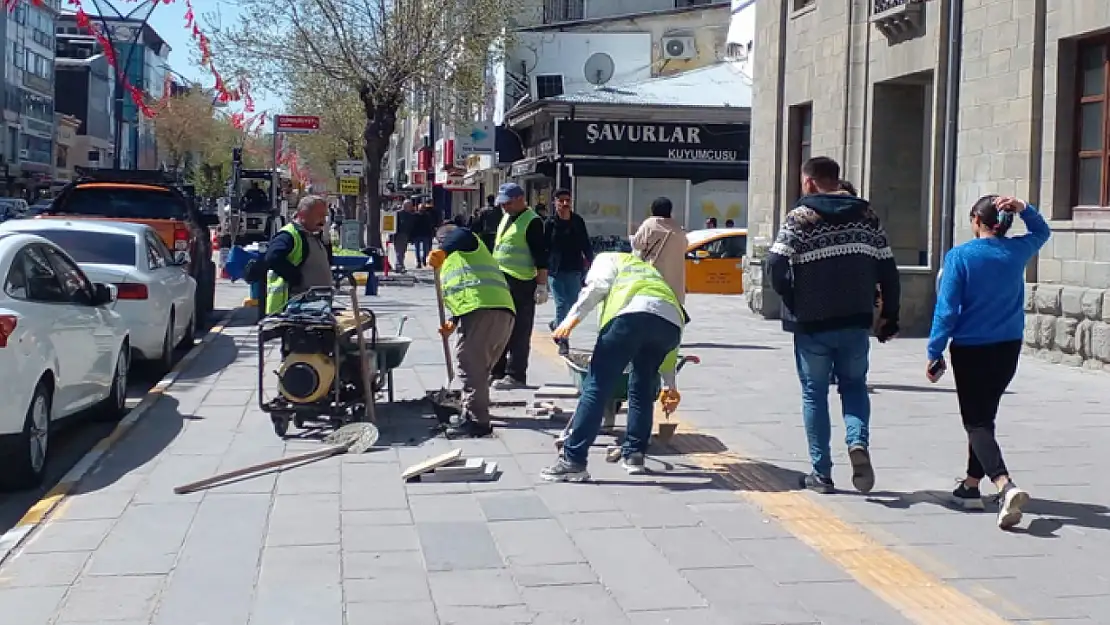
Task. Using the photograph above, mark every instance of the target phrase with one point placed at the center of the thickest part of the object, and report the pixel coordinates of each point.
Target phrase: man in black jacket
(296, 257)
(570, 252)
(486, 222)
(825, 262)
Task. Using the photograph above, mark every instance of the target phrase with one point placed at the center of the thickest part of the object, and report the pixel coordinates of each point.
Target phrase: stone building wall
(1068, 325)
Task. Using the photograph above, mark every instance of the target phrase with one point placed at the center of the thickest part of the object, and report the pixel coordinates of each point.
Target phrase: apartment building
(28, 140)
(84, 85)
(865, 82)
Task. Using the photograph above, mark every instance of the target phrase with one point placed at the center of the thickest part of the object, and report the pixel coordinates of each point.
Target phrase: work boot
(468, 428)
(508, 383)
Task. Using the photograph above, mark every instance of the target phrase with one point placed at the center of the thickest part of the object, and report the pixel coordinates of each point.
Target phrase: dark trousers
(514, 362)
(982, 373)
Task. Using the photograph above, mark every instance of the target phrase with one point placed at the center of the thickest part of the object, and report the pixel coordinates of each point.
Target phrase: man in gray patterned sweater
(824, 264)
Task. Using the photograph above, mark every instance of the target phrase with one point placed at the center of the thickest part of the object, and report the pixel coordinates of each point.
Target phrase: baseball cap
(508, 191)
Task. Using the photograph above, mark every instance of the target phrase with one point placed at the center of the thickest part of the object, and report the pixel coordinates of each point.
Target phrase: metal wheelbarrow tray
(578, 364)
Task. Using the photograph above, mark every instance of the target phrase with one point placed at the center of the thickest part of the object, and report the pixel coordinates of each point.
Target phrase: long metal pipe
(951, 127)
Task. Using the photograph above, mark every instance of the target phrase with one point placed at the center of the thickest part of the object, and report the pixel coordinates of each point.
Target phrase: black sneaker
(633, 464)
(818, 483)
(1010, 502)
(966, 497)
(565, 471)
(468, 429)
(863, 474)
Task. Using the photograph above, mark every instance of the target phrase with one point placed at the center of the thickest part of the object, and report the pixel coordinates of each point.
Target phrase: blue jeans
(844, 353)
(423, 246)
(565, 286)
(642, 340)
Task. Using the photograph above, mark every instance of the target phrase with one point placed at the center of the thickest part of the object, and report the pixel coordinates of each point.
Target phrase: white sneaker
(1010, 502)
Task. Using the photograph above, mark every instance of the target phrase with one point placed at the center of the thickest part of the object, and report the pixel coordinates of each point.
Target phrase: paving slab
(717, 533)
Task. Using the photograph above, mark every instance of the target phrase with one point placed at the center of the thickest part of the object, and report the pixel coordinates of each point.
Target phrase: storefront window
(644, 192)
(722, 199)
(603, 204)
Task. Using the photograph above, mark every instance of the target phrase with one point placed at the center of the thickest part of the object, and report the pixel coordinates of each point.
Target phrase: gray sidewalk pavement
(714, 535)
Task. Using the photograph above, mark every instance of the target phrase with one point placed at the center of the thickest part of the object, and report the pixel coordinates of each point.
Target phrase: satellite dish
(599, 68)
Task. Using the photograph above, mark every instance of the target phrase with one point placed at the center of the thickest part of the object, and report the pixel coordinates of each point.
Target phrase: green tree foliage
(381, 50)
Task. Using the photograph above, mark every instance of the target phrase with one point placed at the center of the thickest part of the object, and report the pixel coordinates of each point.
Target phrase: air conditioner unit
(679, 48)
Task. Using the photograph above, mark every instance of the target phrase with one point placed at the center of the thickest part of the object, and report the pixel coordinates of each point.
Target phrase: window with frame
(1092, 137)
(800, 145)
(802, 4)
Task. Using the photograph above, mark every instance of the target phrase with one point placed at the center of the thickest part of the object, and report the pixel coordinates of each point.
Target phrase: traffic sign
(475, 137)
(296, 123)
(389, 223)
(348, 185)
(346, 169)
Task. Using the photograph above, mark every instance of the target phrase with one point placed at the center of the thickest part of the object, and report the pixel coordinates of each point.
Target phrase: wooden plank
(431, 464)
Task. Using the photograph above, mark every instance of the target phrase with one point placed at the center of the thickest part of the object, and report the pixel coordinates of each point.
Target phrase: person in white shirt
(641, 325)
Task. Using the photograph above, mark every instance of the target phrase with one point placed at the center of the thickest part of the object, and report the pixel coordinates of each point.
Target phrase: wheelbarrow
(391, 351)
(578, 363)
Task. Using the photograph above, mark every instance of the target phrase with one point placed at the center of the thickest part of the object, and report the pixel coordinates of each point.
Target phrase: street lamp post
(131, 33)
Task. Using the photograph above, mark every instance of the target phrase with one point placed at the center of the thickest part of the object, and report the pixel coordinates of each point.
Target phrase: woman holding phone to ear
(980, 311)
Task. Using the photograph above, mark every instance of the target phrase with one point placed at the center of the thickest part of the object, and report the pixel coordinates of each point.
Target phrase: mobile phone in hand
(937, 369)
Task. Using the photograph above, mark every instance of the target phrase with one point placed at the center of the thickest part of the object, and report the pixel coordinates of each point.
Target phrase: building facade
(29, 97)
(865, 82)
(84, 85)
(65, 153)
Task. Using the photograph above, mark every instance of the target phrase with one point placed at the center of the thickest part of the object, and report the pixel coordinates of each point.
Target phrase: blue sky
(169, 21)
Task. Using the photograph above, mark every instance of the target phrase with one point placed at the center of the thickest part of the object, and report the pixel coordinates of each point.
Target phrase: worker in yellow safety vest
(297, 257)
(481, 308)
(640, 325)
(521, 251)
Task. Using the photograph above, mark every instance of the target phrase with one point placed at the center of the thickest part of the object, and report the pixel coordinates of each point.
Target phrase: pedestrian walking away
(406, 220)
(424, 227)
(661, 242)
(980, 319)
(521, 252)
(641, 325)
(481, 306)
(827, 286)
(570, 254)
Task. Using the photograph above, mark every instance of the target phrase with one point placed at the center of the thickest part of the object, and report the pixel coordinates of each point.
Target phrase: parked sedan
(157, 296)
(62, 350)
(715, 260)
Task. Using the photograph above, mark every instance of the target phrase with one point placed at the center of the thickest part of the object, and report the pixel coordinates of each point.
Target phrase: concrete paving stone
(594, 520)
(373, 487)
(486, 588)
(655, 510)
(66, 536)
(31, 606)
(563, 498)
(317, 477)
(214, 578)
(146, 540)
(789, 561)
(458, 546)
(750, 595)
(304, 520)
(695, 548)
(379, 538)
(489, 447)
(589, 604)
(375, 517)
(222, 397)
(534, 542)
(370, 564)
(525, 441)
(475, 615)
(43, 569)
(299, 585)
(446, 508)
(95, 505)
(694, 616)
(375, 455)
(116, 598)
(173, 471)
(513, 507)
(639, 577)
(392, 585)
(848, 603)
(392, 613)
(738, 521)
(553, 574)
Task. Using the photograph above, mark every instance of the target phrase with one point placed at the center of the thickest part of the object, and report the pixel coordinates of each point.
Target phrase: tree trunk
(381, 121)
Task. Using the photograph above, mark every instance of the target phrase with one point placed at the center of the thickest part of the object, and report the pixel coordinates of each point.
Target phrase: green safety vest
(277, 291)
(472, 280)
(636, 277)
(511, 247)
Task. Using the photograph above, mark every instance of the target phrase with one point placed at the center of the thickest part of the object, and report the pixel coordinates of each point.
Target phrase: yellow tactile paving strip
(918, 595)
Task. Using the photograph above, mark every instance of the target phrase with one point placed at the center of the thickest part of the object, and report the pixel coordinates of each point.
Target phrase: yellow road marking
(920, 596)
(44, 505)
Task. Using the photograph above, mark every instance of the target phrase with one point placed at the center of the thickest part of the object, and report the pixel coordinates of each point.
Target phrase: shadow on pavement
(142, 443)
(1053, 514)
(723, 346)
(914, 388)
(221, 352)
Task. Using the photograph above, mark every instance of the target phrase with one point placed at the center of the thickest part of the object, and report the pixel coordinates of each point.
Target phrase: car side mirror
(104, 294)
(180, 258)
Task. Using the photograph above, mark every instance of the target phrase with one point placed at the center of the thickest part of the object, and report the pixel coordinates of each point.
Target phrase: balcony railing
(555, 11)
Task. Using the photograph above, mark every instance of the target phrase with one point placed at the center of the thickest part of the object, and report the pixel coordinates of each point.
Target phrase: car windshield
(99, 248)
(121, 202)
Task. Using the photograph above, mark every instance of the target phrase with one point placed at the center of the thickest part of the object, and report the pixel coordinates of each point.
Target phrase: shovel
(363, 357)
(353, 438)
(442, 395)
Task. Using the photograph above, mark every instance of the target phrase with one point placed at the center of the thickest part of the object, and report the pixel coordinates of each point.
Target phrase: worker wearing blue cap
(521, 252)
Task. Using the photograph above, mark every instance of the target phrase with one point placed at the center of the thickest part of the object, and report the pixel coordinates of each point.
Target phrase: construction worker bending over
(481, 308)
(641, 324)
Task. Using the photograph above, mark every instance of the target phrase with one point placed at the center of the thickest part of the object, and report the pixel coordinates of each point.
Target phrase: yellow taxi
(715, 260)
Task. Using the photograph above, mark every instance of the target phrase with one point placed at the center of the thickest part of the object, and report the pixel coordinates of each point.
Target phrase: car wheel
(24, 459)
(165, 358)
(115, 406)
(190, 338)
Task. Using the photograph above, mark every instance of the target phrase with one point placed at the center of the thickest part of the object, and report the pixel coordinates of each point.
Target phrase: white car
(157, 296)
(62, 350)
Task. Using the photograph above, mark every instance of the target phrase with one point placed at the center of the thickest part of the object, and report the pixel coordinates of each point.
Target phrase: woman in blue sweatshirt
(980, 311)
